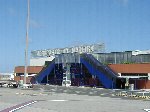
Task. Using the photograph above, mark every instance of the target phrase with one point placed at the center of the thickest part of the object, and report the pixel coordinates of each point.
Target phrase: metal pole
(112, 83)
(115, 58)
(26, 50)
(47, 79)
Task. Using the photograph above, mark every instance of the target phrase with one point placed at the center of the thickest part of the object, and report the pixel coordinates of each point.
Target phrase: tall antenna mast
(26, 49)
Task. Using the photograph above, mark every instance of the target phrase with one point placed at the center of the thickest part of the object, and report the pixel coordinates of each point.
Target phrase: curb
(133, 96)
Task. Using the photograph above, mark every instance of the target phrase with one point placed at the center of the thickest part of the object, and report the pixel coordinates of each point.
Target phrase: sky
(122, 25)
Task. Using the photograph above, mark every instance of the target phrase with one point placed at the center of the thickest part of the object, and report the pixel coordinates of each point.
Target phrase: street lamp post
(26, 49)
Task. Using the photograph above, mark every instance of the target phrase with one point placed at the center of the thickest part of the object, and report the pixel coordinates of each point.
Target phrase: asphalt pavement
(46, 98)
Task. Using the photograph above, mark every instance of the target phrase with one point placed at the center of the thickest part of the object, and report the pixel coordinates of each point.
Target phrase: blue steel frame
(45, 73)
(107, 83)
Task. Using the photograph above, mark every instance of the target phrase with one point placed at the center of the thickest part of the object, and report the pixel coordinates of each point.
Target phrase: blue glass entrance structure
(80, 69)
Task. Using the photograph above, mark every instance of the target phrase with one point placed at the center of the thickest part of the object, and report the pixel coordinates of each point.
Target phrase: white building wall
(6, 76)
(40, 61)
(137, 52)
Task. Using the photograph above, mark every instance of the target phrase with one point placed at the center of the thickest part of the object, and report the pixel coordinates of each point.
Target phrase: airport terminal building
(88, 65)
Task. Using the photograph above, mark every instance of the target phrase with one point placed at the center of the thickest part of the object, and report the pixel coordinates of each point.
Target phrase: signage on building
(77, 49)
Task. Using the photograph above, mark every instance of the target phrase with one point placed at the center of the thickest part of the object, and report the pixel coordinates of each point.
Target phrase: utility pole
(26, 49)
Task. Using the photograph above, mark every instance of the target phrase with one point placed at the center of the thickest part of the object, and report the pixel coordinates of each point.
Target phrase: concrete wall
(141, 84)
(18, 78)
(40, 61)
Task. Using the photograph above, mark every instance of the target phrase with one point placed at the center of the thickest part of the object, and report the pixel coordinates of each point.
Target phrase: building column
(119, 74)
(148, 76)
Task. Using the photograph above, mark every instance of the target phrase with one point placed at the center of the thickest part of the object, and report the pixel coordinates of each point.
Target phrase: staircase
(103, 72)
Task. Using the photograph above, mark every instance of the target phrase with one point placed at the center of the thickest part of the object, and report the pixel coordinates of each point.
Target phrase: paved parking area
(62, 99)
